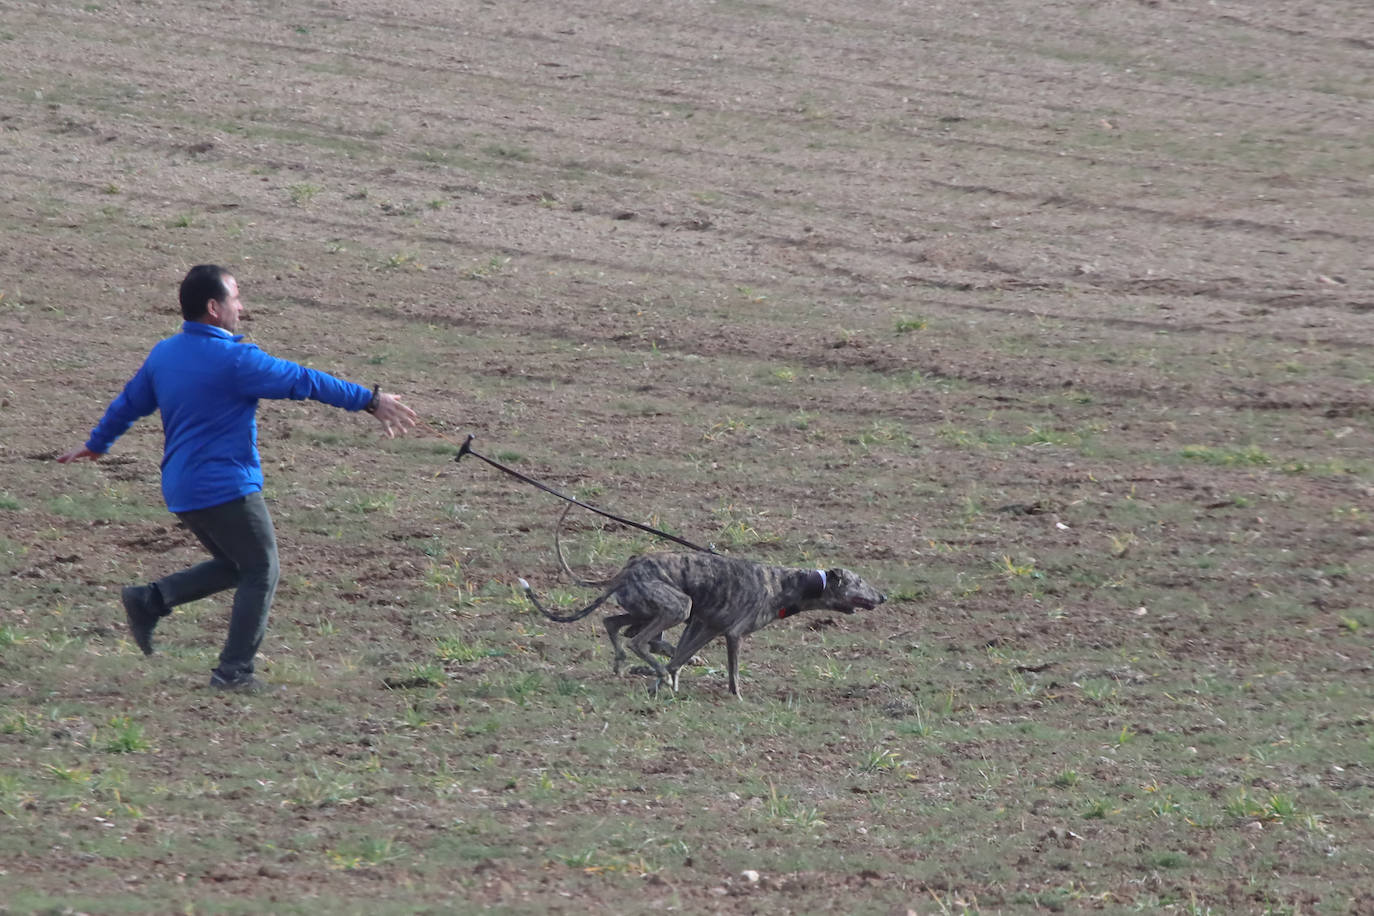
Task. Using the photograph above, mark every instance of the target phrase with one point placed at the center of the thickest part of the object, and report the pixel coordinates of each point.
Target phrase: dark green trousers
(243, 551)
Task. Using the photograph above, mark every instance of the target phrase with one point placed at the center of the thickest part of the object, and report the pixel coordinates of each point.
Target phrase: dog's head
(846, 591)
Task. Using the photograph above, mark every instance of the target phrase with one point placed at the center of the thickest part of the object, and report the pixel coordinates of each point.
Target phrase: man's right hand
(78, 454)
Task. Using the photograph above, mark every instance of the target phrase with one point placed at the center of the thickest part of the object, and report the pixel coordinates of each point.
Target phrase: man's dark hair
(203, 283)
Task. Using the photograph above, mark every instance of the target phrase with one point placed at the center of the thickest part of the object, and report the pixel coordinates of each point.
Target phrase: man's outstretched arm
(261, 375)
(133, 403)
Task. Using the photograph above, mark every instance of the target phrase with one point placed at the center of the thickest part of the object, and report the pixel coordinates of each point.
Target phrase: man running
(207, 383)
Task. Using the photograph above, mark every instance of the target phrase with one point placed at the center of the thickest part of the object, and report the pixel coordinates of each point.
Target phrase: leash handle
(466, 449)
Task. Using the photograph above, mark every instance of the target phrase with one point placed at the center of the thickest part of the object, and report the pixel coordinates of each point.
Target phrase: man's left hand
(393, 415)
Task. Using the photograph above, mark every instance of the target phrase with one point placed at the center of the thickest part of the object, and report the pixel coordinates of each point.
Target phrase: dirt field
(1053, 319)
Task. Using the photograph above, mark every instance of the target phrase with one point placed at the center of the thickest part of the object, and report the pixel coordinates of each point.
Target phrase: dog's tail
(558, 549)
(564, 618)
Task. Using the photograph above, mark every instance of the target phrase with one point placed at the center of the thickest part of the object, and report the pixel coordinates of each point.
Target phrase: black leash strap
(466, 449)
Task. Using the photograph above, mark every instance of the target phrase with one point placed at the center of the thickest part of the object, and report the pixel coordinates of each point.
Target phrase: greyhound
(714, 596)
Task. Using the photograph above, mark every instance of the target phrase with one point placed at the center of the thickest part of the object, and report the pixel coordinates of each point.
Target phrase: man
(206, 382)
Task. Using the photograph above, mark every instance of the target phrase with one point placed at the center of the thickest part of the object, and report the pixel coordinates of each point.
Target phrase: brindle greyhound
(714, 596)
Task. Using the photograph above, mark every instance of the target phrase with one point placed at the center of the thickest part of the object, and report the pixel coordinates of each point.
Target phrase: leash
(466, 449)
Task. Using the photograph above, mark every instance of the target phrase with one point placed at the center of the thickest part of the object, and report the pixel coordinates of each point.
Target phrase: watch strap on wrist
(376, 399)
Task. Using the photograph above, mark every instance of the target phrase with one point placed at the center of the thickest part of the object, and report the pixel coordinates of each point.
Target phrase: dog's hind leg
(659, 606)
(614, 624)
(658, 645)
(630, 625)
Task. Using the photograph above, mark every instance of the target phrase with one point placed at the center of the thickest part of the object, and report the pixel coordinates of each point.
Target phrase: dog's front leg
(732, 662)
(695, 635)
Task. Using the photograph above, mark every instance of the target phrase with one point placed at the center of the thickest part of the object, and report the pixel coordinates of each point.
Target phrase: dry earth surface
(1052, 318)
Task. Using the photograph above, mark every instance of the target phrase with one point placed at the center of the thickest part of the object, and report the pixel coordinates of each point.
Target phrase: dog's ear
(834, 575)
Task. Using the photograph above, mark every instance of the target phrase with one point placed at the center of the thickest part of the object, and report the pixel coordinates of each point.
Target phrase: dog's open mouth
(860, 605)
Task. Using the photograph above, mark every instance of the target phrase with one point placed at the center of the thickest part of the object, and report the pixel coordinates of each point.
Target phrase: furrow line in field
(848, 283)
(521, 81)
(993, 369)
(664, 153)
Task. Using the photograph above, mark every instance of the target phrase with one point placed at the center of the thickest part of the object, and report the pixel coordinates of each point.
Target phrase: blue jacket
(207, 385)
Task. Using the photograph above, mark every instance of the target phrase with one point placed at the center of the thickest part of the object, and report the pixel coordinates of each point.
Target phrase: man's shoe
(140, 609)
(244, 683)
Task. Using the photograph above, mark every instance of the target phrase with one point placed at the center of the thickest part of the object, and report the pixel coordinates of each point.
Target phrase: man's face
(226, 314)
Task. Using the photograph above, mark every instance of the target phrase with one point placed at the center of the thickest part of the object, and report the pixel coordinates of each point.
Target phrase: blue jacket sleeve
(136, 401)
(262, 376)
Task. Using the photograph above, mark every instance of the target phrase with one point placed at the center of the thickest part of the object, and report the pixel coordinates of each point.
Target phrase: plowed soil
(1053, 319)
